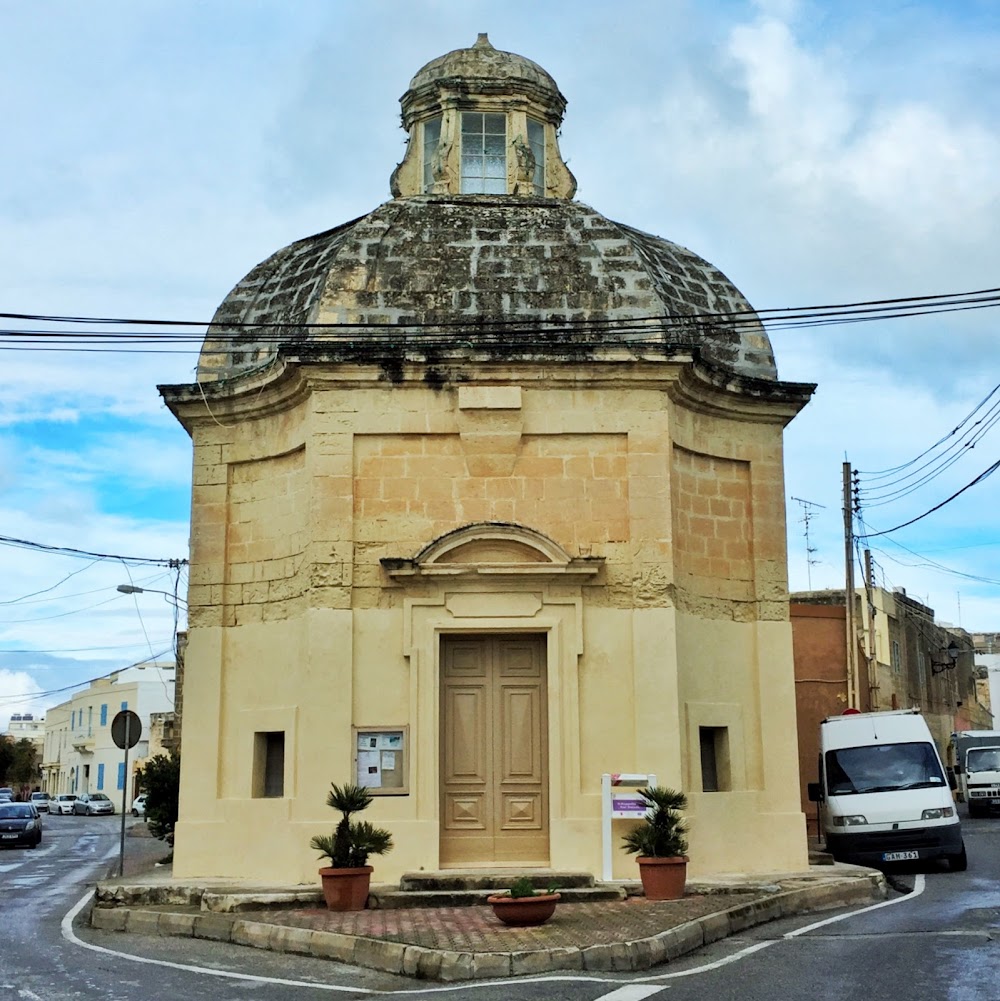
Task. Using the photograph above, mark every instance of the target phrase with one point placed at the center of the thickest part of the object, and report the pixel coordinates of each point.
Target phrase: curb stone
(448, 965)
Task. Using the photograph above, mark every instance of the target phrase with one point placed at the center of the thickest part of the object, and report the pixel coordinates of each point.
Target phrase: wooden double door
(494, 751)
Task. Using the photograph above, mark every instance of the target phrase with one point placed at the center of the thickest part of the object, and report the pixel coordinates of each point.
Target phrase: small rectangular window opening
(715, 772)
(269, 765)
(536, 140)
(484, 153)
(432, 136)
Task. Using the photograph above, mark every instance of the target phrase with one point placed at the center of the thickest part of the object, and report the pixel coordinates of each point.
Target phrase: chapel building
(487, 503)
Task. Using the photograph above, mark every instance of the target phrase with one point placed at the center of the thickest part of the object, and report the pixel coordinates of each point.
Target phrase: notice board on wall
(381, 756)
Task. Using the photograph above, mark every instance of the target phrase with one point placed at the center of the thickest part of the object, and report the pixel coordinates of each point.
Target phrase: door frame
(559, 620)
(483, 640)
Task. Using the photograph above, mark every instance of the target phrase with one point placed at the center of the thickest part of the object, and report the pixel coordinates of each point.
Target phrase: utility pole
(807, 516)
(852, 646)
(873, 686)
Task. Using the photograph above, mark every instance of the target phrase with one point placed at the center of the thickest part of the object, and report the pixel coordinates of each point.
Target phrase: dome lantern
(482, 121)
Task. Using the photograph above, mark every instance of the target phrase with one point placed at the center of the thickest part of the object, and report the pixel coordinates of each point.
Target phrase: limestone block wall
(296, 627)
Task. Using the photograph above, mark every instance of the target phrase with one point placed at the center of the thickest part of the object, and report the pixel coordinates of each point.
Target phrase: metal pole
(852, 644)
(121, 850)
(873, 685)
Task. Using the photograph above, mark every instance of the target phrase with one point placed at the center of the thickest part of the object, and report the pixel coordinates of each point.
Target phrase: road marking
(633, 992)
(919, 883)
(626, 993)
(918, 887)
(70, 936)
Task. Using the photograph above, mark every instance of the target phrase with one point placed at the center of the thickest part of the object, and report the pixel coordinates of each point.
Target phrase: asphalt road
(940, 940)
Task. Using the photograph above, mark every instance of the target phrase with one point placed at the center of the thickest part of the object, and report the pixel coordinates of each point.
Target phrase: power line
(884, 493)
(6, 540)
(30, 599)
(880, 474)
(24, 697)
(654, 327)
(990, 296)
(989, 471)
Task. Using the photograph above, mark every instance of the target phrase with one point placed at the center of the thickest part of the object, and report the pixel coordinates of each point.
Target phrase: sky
(816, 152)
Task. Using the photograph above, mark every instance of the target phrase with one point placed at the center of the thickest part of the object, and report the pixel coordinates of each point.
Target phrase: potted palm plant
(523, 905)
(661, 846)
(347, 878)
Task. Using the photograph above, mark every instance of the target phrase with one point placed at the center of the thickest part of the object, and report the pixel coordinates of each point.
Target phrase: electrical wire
(885, 493)
(24, 697)
(25, 599)
(28, 599)
(655, 327)
(879, 474)
(874, 500)
(6, 540)
(989, 471)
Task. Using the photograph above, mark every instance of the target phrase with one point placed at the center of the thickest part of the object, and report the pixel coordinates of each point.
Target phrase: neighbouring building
(27, 726)
(80, 754)
(488, 502)
(988, 664)
(907, 661)
(162, 734)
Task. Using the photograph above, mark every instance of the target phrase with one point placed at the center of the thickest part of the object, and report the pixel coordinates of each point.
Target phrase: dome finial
(483, 41)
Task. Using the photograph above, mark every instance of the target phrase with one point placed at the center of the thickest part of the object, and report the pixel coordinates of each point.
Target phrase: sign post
(126, 729)
(620, 801)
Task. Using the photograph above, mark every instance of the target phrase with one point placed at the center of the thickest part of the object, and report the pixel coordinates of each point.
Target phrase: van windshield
(983, 759)
(882, 768)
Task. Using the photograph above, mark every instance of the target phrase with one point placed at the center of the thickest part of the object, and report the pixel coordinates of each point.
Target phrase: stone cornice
(300, 370)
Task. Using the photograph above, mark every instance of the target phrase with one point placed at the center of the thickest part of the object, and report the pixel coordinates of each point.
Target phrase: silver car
(41, 801)
(92, 803)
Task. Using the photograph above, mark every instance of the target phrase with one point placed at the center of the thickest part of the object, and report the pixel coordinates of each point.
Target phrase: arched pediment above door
(492, 548)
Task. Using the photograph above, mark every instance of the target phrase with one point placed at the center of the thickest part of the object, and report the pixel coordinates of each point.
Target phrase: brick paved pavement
(476, 929)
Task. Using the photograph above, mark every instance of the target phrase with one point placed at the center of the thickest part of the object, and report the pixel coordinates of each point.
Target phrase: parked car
(41, 801)
(63, 803)
(139, 805)
(6, 794)
(92, 803)
(20, 825)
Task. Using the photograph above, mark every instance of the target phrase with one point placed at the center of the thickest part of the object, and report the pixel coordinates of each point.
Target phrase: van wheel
(959, 862)
(975, 809)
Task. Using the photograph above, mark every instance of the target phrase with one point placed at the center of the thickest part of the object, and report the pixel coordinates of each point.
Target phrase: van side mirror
(952, 781)
(815, 792)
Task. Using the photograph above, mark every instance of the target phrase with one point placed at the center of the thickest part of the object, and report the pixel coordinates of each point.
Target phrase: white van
(883, 793)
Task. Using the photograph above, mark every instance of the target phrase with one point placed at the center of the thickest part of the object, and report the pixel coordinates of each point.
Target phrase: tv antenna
(807, 516)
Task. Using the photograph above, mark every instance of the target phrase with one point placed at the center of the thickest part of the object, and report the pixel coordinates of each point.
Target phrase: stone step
(387, 898)
(497, 879)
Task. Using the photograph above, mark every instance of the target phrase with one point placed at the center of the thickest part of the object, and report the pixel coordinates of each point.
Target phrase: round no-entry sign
(126, 719)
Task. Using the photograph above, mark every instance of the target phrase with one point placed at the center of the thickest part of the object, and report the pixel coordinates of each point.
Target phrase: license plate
(8, 837)
(899, 856)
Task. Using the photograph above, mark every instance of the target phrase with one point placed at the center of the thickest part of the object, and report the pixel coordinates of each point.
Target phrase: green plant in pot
(347, 879)
(523, 904)
(660, 843)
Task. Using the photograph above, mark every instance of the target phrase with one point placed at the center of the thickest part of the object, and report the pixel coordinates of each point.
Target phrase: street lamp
(952, 653)
(132, 589)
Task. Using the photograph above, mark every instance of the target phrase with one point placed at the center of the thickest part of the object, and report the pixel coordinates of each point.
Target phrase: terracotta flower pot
(346, 889)
(523, 911)
(663, 878)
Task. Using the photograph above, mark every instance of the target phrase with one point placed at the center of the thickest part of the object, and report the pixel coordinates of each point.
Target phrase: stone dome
(450, 255)
(482, 68)
(464, 261)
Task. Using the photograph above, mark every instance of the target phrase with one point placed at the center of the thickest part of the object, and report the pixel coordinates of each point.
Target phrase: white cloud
(813, 156)
(18, 694)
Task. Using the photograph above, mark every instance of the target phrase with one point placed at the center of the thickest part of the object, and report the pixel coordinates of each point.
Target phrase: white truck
(883, 793)
(974, 756)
